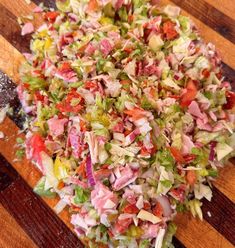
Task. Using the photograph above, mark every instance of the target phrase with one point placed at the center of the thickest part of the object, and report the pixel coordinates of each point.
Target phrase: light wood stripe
(10, 59)
(11, 234)
(225, 6)
(202, 235)
(223, 45)
(211, 16)
(226, 181)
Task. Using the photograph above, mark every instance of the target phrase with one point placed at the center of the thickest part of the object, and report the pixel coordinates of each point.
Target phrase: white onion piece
(167, 210)
(60, 206)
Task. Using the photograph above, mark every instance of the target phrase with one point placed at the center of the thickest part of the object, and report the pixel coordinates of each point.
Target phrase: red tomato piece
(38, 146)
(169, 30)
(230, 97)
(158, 210)
(191, 177)
(206, 73)
(189, 157)
(189, 95)
(122, 225)
(51, 16)
(176, 153)
(131, 209)
(93, 5)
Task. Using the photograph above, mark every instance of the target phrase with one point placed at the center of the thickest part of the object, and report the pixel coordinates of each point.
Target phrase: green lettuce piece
(35, 83)
(202, 156)
(171, 230)
(81, 195)
(144, 243)
(206, 137)
(165, 159)
(40, 189)
(184, 23)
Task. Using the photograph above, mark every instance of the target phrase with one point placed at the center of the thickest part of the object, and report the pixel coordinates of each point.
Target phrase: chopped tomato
(191, 177)
(158, 210)
(122, 225)
(189, 157)
(61, 185)
(230, 97)
(189, 95)
(81, 170)
(174, 96)
(169, 30)
(51, 16)
(147, 206)
(179, 193)
(135, 113)
(37, 144)
(130, 209)
(102, 174)
(177, 155)
(82, 125)
(144, 151)
(65, 105)
(65, 67)
(128, 50)
(92, 86)
(93, 5)
(38, 96)
(206, 73)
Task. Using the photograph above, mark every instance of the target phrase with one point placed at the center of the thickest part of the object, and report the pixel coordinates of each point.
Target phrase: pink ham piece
(203, 126)
(150, 231)
(127, 176)
(119, 127)
(119, 4)
(56, 126)
(90, 49)
(37, 9)
(103, 199)
(187, 144)
(194, 110)
(93, 146)
(75, 140)
(68, 76)
(131, 137)
(105, 47)
(28, 28)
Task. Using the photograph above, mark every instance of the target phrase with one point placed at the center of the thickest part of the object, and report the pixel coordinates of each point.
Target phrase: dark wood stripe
(211, 16)
(7, 174)
(11, 30)
(47, 3)
(229, 74)
(222, 212)
(177, 243)
(31, 212)
(9, 96)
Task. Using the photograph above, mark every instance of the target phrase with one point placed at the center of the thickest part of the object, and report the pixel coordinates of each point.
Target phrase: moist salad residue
(129, 118)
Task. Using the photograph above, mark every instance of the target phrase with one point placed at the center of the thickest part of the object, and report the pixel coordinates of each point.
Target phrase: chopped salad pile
(129, 118)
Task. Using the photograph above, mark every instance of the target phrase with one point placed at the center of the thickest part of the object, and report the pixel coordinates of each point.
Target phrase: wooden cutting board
(28, 221)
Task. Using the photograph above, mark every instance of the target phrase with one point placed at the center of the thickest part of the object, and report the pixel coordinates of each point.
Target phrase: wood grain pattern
(216, 232)
(30, 211)
(227, 9)
(211, 16)
(12, 235)
(203, 235)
